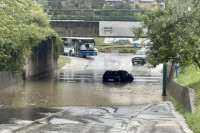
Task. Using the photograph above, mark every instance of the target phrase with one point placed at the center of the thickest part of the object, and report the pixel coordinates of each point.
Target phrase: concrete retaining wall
(40, 63)
(184, 95)
(8, 79)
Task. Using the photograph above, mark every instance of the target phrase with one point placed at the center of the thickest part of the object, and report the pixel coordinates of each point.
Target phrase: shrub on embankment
(62, 61)
(190, 77)
(23, 25)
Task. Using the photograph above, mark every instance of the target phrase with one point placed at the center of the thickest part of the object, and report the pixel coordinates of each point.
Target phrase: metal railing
(95, 15)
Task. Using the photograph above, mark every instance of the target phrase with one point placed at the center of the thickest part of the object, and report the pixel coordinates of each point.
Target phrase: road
(77, 101)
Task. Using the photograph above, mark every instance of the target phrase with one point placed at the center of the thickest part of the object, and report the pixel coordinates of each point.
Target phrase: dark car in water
(117, 76)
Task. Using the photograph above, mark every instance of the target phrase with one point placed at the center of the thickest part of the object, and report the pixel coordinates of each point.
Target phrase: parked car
(108, 41)
(69, 51)
(139, 57)
(146, 48)
(117, 76)
(95, 51)
(122, 41)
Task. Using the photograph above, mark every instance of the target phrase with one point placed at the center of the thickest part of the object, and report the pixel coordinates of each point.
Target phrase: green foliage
(177, 106)
(76, 4)
(174, 33)
(22, 26)
(123, 5)
(62, 60)
(97, 4)
(82, 4)
(98, 41)
(123, 50)
(190, 77)
(58, 47)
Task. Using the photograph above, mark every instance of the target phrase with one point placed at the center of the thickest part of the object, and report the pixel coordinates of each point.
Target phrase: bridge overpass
(95, 23)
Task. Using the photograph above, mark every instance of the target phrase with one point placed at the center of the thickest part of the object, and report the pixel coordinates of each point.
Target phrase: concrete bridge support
(83, 28)
(41, 61)
(76, 28)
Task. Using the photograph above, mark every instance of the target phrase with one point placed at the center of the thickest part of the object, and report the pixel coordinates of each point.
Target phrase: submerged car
(117, 76)
(139, 57)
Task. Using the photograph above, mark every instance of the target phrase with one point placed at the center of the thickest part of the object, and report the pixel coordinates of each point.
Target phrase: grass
(177, 106)
(98, 41)
(122, 47)
(190, 77)
(62, 60)
(121, 50)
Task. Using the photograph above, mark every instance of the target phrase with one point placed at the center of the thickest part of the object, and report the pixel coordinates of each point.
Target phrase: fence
(95, 15)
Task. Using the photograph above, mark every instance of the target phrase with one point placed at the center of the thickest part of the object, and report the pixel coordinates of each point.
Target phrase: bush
(20, 31)
(58, 47)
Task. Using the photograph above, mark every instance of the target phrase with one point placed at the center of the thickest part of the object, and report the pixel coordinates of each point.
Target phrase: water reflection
(80, 88)
(24, 115)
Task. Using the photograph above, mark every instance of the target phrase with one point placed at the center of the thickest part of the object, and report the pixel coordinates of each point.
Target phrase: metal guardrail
(95, 15)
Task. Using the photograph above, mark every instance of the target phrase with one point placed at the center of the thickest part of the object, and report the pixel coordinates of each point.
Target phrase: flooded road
(80, 84)
(75, 100)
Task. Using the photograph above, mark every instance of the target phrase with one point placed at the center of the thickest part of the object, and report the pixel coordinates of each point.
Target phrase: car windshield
(140, 53)
(126, 73)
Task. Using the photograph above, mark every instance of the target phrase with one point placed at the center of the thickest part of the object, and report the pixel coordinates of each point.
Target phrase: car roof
(142, 50)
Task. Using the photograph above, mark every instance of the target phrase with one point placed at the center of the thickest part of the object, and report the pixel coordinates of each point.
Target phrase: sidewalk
(158, 118)
(147, 118)
(75, 63)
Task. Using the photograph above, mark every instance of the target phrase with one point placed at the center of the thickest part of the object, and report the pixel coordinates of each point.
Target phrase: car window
(126, 73)
(140, 53)
(107, 73)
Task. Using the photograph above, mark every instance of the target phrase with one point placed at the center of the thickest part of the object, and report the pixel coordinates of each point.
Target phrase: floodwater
(84, 87)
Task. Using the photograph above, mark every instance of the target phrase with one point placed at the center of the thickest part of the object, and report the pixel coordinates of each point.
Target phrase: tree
(119, 5)
(22, 26)
(174, 33)
(124, 5)
(76, 4)
(55, 4)
(97, 4)
(44, 3)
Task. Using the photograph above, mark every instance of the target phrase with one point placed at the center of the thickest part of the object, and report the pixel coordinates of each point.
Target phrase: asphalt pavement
(147, 118)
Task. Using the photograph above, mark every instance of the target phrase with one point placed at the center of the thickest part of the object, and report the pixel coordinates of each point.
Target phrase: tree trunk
(171, 74)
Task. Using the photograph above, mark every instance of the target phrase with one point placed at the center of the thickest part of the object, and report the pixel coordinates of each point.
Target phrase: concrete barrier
(40, 63)
(8, 79)
(184, 95)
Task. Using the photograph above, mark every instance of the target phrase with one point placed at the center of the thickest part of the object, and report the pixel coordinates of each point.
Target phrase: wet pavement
(76, 100)
(146, 118)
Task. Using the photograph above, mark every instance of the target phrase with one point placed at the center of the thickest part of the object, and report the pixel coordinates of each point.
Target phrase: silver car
(139, 57)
